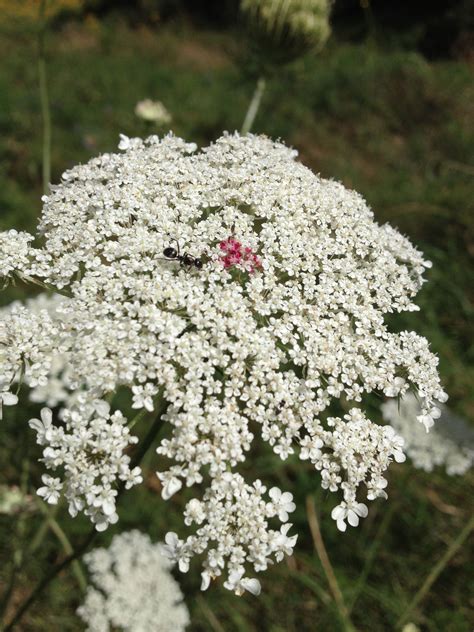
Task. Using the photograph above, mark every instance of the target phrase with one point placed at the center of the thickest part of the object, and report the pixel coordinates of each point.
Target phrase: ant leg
(177, 243)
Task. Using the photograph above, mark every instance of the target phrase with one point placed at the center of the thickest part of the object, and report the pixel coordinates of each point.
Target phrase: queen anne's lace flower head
(133, 589)
(450, 443)
(267, 308)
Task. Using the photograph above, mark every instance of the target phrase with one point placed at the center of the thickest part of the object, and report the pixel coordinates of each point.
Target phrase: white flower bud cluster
(305, 21)
(248, 293)
(133, 589)
(449, 444)
(233, 530)
(89, 449)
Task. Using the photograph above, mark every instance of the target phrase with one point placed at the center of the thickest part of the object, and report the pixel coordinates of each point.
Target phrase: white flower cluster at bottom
(134, 589)
(233, 518)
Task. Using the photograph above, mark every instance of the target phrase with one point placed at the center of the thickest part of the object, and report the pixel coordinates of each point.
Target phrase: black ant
(186, 260)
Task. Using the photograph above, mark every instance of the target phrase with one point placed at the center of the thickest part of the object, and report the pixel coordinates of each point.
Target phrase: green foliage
(388, 124)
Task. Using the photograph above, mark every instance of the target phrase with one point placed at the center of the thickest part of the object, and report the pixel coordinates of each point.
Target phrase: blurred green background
(387, 108)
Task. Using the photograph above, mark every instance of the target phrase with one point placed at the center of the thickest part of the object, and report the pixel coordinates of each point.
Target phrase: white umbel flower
(89, 450)
(249, 294)
(132, 588)
(450, 444)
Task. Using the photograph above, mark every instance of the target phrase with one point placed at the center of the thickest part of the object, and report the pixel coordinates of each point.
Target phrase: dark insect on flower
(186, 260)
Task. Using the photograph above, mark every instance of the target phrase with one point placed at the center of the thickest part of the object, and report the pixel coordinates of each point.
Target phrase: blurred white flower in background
(132, 589)
(153, 112)
(449, 443)
(289, 27)
(13, 500)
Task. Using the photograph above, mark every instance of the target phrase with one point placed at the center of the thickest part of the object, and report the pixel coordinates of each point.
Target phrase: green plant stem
(28, 279)
(44, 97)
(138, 417)
(81, 549)
(149, 437)
(44, 583)
(371, 554)
(210, 616)
(378, 539)
(41, 533)
(436, 571)
(55, 527)
(327, 567)
(254, 106)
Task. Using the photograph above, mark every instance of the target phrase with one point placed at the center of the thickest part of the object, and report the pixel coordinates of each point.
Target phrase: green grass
(386, 123)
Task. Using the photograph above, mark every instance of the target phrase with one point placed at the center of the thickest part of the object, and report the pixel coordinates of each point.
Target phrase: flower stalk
(254, 106)
(436, 572)
(44, 97)
(327, 566)
(56, 528)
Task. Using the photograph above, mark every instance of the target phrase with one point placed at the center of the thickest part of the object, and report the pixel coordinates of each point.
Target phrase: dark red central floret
(234, 254)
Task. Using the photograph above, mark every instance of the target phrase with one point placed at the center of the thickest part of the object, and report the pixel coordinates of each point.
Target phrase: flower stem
(149, 437)
(44, 97)
(371, 554)
(254, 106)
(38, 538)
(436, 571)
(138, 417)
(46, 286)
(81, 549)
(44, 583)
(210, 616)
(404, 483)
(55, 527)
(327, 567)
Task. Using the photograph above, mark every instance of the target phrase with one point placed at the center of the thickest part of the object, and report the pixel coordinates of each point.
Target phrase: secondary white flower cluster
(450, 443)
(247, 293)
(89, 449)
(133, 590)
(233, 529)
(360, 452)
